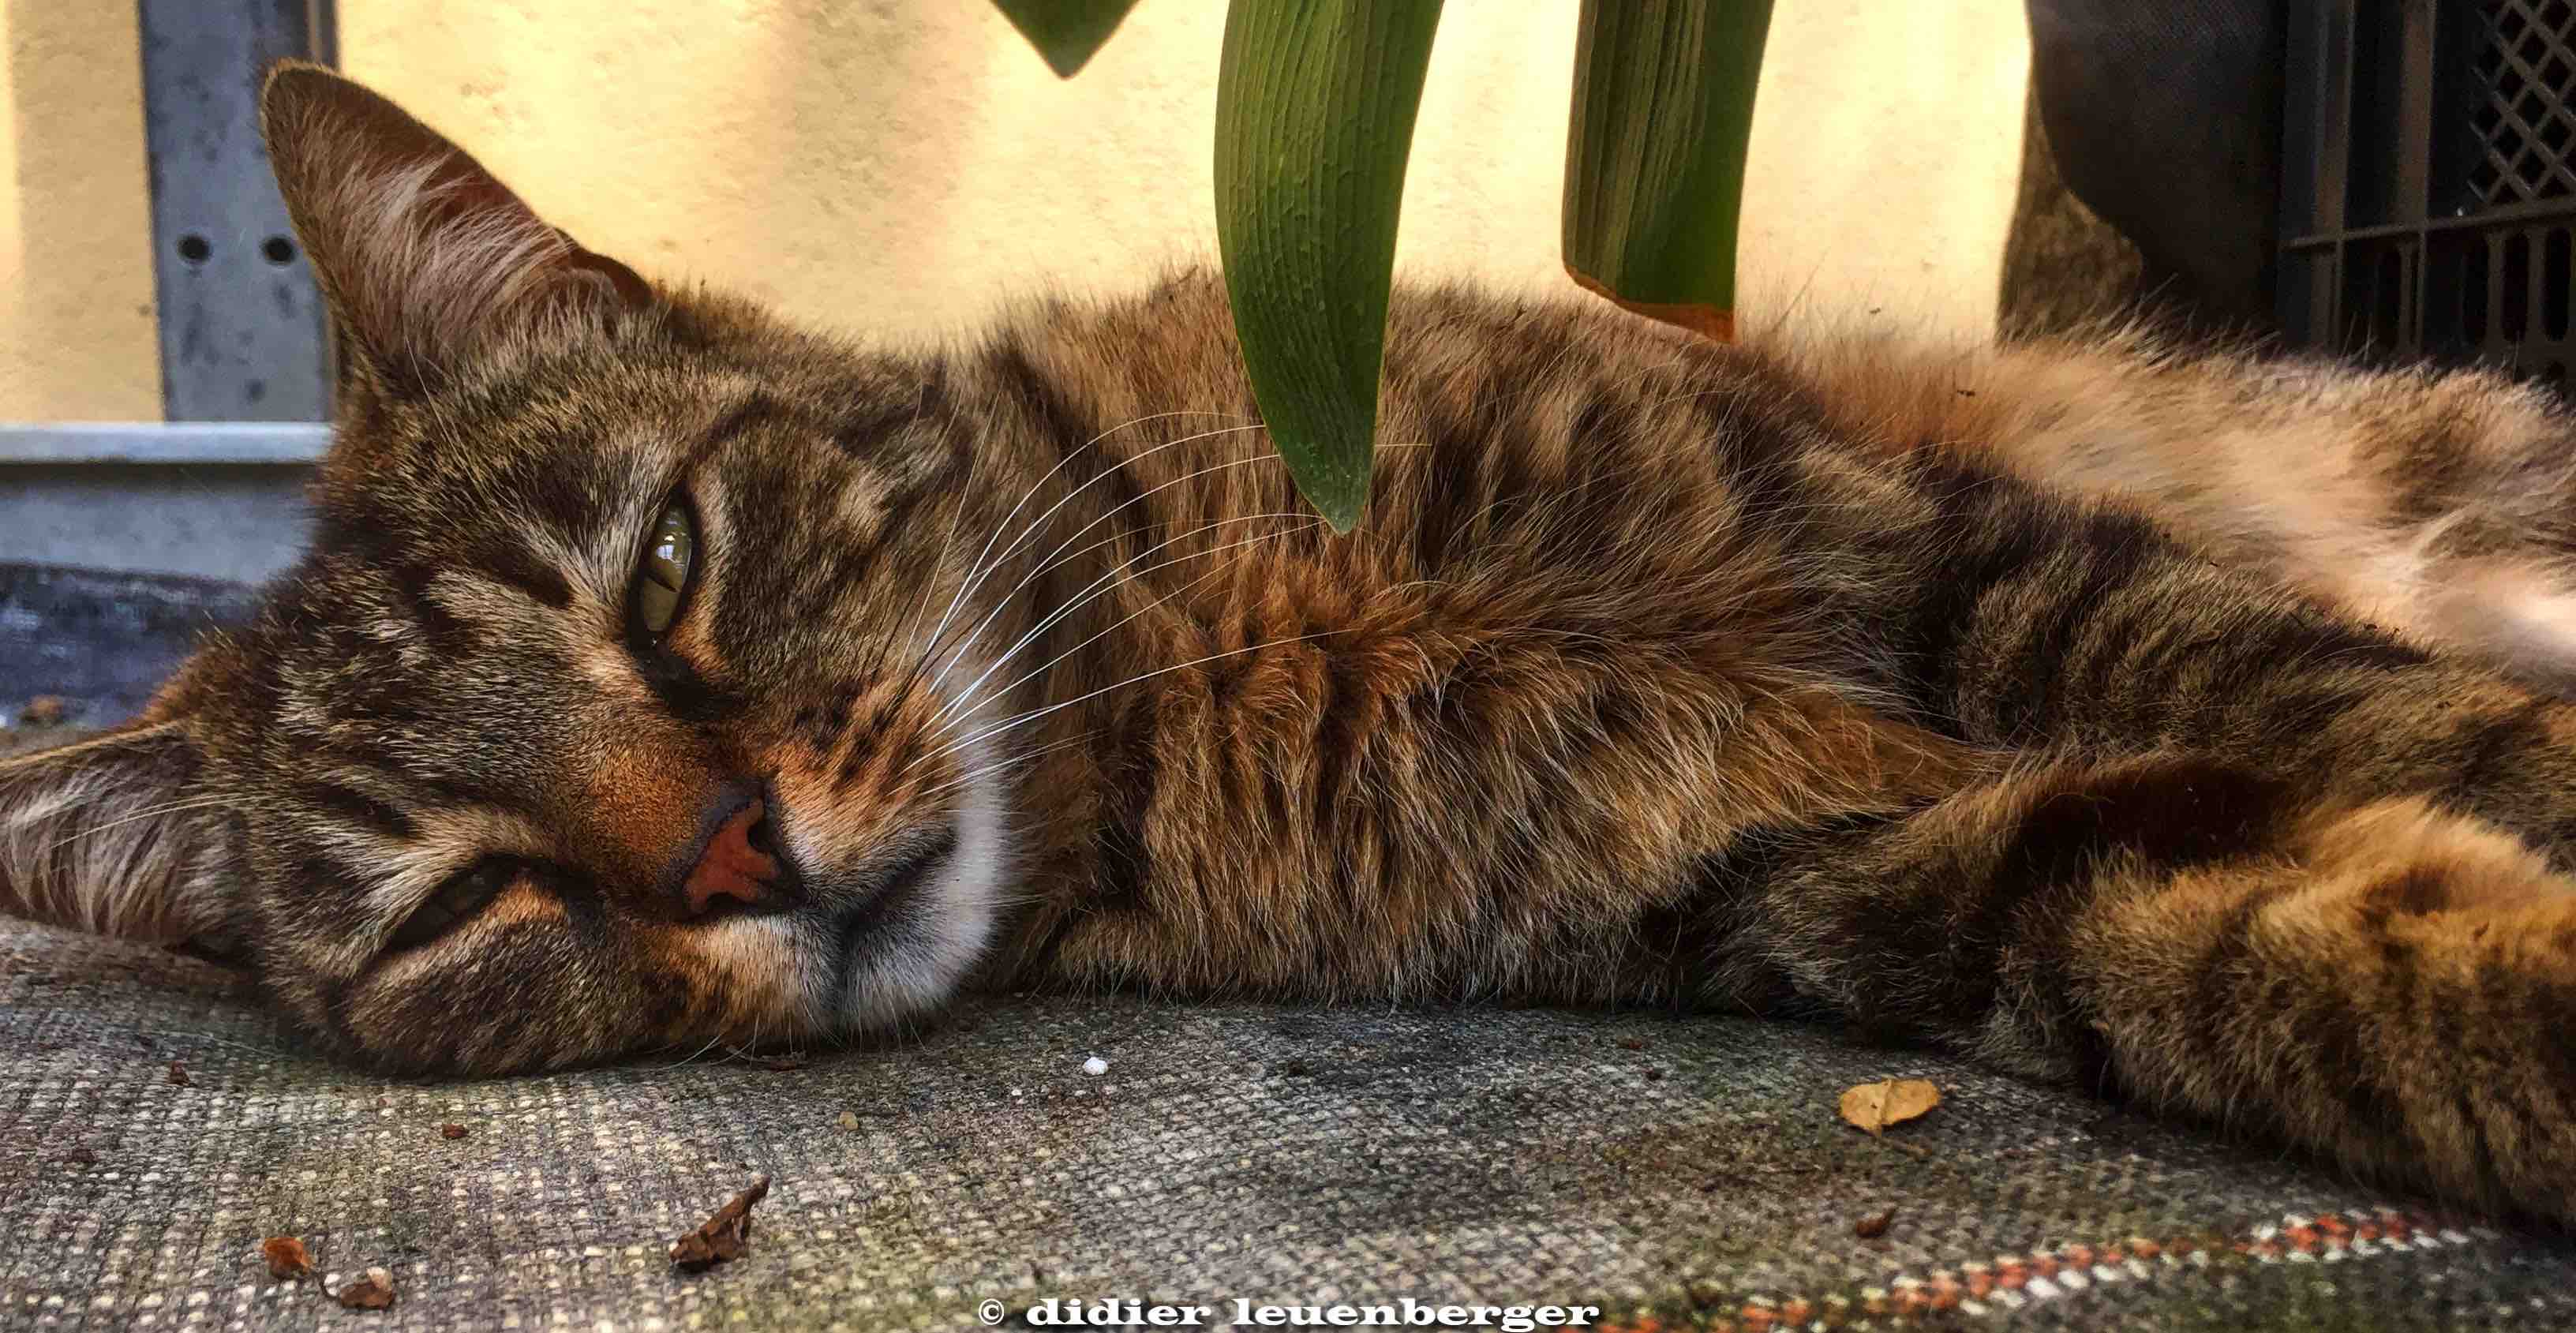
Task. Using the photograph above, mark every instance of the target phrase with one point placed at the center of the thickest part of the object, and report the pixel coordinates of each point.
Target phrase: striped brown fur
(2004, 700)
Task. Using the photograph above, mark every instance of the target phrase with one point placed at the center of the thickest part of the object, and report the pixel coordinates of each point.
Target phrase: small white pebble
(1095, 1066)
(849, 1120)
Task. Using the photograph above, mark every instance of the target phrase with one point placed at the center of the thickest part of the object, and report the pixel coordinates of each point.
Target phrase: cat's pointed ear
(425, 257)
(109, 835)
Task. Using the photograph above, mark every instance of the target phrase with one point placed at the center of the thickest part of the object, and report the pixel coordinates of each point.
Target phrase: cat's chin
(907, 950)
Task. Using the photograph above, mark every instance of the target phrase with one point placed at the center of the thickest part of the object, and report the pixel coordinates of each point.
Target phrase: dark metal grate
(2428, 197)
(2526, 69)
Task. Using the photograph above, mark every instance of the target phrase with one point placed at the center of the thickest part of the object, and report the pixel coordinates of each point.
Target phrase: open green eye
(670, 559)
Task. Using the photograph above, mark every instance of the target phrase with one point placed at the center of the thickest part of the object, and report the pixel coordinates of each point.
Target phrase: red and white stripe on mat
(2012, 1282)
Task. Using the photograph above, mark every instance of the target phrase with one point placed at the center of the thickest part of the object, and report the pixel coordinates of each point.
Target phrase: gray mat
(99, 643)
(1689, 1169)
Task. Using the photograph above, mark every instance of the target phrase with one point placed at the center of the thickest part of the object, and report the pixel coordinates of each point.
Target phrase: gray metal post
(242, 329)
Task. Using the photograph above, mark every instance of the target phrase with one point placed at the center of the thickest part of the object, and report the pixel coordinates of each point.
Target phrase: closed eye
(465, 893)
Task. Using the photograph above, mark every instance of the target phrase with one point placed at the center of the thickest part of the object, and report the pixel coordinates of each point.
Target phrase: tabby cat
(662, 675)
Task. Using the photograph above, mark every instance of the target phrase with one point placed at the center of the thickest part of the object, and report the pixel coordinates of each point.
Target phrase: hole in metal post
(194, 248)
(278, 250)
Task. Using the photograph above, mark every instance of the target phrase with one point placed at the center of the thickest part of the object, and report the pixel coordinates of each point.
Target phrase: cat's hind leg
(2257, 862)
(2386, 983)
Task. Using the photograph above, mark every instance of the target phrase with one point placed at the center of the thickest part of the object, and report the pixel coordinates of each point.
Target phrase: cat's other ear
(426, 258)
(108, 835)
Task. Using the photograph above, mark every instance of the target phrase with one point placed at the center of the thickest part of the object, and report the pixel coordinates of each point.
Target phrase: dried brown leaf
(178, 1074)
(371, 1290)
(723, 1236)
(1875, 1225)
(1875, 1106)
(451, 1130)
(286, 1257)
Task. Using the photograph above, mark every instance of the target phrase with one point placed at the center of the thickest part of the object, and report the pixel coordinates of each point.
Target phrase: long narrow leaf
(1654, 171)
(1314, 120)
(1067, 33)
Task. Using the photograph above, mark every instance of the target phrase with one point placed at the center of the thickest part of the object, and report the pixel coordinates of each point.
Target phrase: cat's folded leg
(2388, 984)
(2261, 864)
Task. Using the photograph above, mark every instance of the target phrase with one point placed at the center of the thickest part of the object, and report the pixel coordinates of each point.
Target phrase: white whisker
(1004, 602)
(710, 1045)
(988, 570)
(998, 765)
(175, 807)
(947, 538)
(976, 573)
(1093, 590)
(1097, 590)
(1025, 718)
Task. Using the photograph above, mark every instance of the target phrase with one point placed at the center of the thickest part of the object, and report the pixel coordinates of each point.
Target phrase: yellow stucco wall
(76, 333)
(903, 166)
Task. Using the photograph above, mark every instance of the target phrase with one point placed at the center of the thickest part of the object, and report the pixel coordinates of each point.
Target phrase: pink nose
(731, 866)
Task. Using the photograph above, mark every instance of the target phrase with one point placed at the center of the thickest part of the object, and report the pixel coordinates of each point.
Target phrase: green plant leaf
(1067, 33)
(1314, 120)
(1654, 169)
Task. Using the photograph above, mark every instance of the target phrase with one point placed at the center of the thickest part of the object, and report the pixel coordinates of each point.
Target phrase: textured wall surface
(901, 166)
(76, 332)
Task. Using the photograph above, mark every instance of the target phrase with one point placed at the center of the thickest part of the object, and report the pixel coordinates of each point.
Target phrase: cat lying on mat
(662, 675)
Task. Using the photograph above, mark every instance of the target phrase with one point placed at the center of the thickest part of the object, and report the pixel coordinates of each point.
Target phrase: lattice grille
(2526, 127)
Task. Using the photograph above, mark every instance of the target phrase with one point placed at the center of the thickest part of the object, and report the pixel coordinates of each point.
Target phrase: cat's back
(1510, 426)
